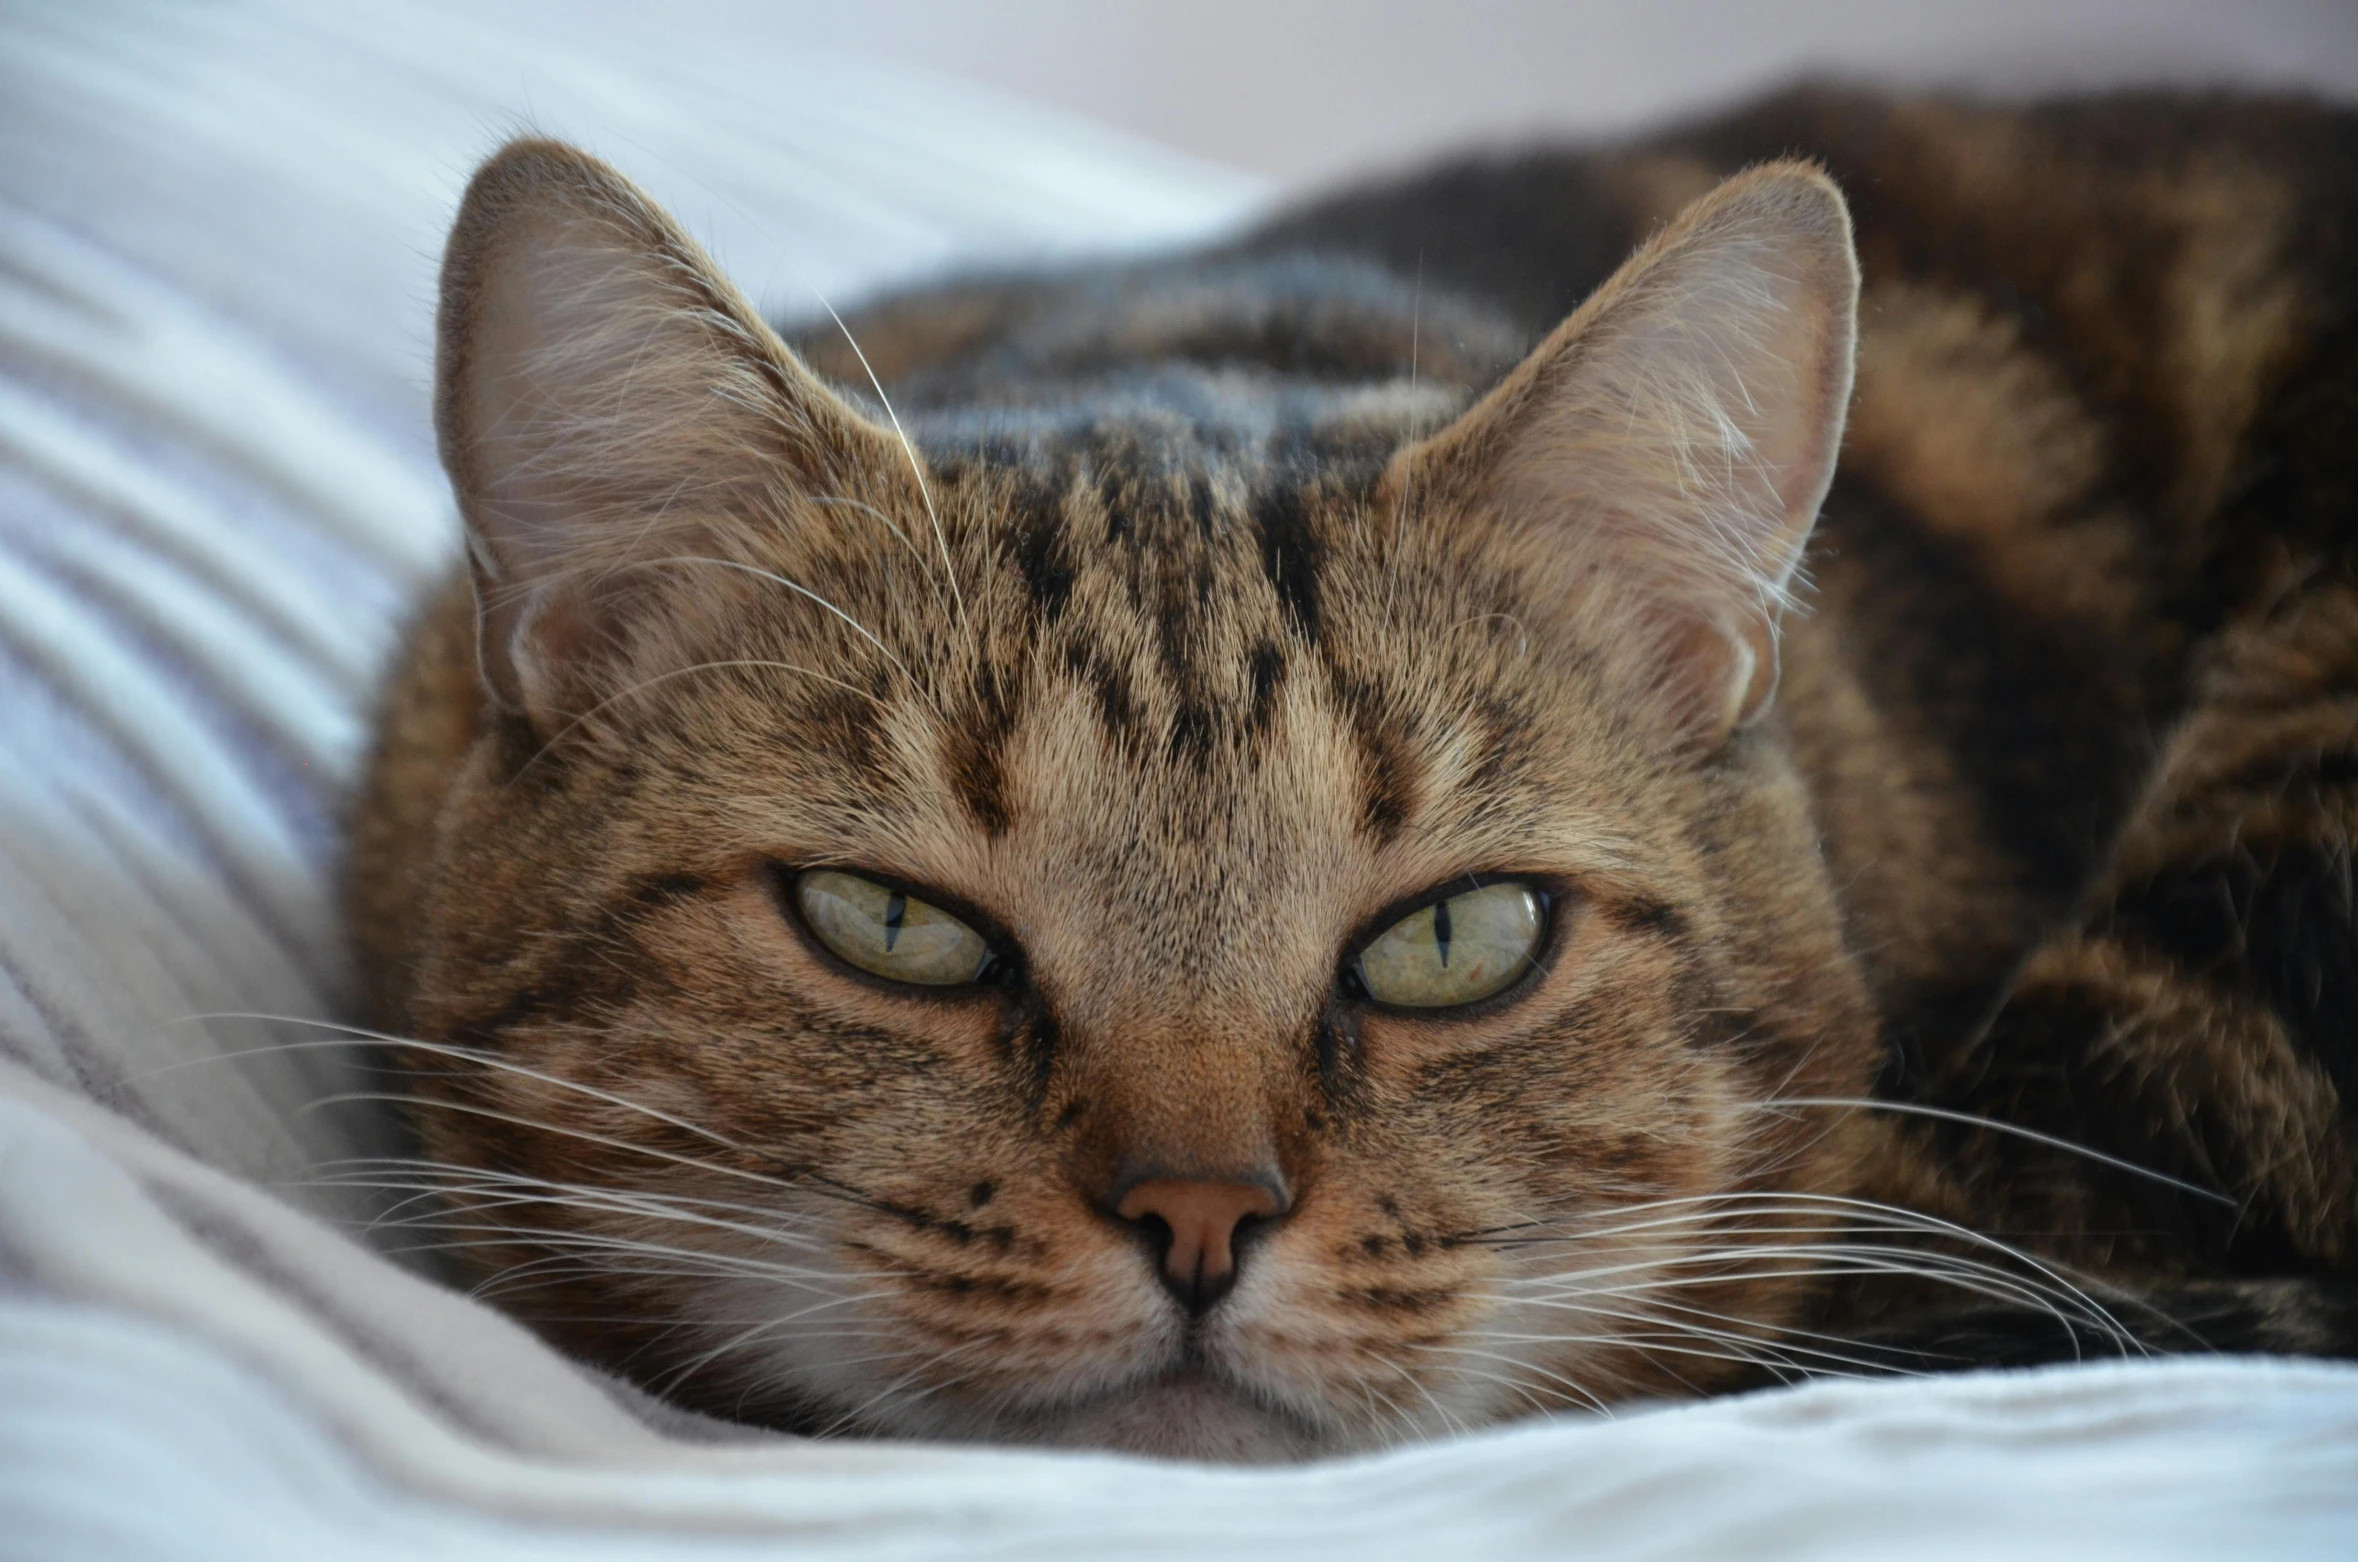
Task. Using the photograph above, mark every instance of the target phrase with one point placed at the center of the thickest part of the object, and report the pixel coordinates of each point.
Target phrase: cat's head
(1189, 919)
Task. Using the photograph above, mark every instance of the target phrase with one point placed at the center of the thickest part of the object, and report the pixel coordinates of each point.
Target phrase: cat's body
(1217, 633)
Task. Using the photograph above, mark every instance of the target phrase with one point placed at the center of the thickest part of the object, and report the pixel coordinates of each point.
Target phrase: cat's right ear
(1657, 463)
(612, 414)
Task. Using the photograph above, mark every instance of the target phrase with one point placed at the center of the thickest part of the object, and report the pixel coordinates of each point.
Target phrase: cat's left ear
(1658, 462)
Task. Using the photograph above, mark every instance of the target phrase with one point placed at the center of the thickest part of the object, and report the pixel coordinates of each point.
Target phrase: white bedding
(218, 228)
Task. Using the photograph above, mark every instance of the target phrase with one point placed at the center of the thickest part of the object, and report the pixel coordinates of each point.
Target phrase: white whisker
(908, 449)
(2016, 1130)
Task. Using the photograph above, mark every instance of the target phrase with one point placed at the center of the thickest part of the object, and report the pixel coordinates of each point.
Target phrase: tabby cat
(1359, 833)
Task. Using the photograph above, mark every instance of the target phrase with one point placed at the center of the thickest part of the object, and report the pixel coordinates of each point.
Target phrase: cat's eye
(890, 932)
(1454, 951)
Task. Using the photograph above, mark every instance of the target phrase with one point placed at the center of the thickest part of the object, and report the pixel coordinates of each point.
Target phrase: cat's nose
(1196, 1221)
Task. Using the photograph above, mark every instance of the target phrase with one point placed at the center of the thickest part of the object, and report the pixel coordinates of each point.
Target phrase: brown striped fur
(1181, 617)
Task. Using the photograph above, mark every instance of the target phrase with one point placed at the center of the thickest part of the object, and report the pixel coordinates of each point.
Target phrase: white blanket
(218, 228)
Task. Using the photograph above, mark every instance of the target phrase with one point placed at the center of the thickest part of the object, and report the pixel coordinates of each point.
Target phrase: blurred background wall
(1302, 89)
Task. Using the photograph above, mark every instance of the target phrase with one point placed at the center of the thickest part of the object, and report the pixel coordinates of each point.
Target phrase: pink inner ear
(585, 353)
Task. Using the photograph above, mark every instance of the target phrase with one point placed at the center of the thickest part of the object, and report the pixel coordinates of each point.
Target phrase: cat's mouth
(1183, 1414)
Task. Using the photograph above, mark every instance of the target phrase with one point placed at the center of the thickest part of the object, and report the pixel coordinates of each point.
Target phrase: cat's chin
(1183, 1416)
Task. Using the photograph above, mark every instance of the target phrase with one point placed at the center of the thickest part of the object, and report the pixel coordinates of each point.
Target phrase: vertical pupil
(896, 911)
(1441, 930)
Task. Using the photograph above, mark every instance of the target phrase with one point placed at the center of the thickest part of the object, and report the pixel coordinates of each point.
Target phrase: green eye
(890, 933)
(1455, 951)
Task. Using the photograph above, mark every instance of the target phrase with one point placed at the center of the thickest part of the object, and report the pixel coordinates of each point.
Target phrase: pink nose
(1202, 1218)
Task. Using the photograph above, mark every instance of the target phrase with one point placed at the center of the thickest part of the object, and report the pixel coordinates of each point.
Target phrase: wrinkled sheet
(218, 229)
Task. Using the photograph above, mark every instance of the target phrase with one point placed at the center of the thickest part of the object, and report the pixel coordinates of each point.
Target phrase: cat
(1364, 831)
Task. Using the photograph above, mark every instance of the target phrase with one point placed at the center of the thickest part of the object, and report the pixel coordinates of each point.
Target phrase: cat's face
(957, 955)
